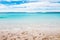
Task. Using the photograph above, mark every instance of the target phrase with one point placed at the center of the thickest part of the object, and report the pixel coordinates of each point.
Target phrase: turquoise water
(22, 20)
(10, 15)
(30, 17)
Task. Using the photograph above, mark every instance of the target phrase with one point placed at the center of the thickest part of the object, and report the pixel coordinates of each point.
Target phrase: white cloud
(2, 6)
(35, 6)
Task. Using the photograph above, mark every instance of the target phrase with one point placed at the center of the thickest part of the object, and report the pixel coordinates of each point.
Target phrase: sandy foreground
(29, 35)
(11, 31)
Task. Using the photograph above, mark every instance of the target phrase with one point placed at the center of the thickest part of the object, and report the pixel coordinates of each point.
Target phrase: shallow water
(22, 19)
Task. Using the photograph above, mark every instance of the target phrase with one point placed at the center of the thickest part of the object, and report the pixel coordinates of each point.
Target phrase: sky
(31, 5)
(32, 0)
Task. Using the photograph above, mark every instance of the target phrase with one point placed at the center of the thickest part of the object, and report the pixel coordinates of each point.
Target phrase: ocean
(26, 19)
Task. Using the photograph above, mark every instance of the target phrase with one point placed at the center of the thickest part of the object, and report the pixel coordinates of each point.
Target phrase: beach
(30, 26)
(29, 35)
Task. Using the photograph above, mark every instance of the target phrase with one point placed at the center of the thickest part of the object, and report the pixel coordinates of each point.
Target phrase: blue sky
(25, 1)
(31, 5)
(32, 0)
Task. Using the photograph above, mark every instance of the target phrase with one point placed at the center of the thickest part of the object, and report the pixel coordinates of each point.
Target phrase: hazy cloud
(32, 6)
